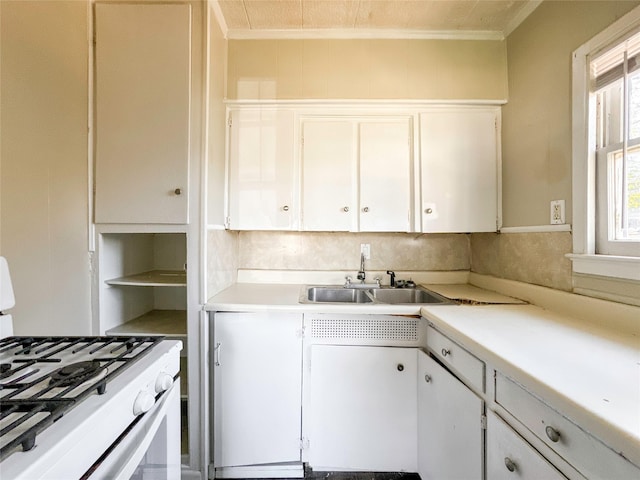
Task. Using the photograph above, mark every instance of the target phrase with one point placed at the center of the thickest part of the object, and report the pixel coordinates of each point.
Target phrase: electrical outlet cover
(556, 212)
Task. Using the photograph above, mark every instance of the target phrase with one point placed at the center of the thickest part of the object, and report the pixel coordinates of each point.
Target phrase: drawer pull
(510, 464)
(400, 367)
(445, 352)
(427, 378)
(553, 434)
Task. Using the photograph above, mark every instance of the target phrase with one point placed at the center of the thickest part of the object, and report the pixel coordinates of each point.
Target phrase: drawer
(468, 367)
(509, 456)
(584, 452)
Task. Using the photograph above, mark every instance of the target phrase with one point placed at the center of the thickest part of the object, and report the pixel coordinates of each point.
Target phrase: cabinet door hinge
(230, 120)
(483, 422)
(302, 330)
(227, 223)
(304, 443)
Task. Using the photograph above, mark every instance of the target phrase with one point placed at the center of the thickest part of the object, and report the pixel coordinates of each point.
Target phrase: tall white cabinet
(142, 92)
(146, 266)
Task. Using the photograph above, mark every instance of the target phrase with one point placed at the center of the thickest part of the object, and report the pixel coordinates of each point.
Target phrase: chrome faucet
(361, 274)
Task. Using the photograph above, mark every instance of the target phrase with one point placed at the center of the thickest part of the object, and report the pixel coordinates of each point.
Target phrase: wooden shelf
(171, 323)
(153, 278)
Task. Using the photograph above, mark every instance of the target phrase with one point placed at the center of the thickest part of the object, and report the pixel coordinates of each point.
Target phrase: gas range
(69, 404)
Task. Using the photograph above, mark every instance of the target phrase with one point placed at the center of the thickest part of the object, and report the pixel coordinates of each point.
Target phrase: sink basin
(337, 295)
(391, 296)
(407, 295)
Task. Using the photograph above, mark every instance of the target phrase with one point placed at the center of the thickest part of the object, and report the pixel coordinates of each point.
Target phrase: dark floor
(311, 475)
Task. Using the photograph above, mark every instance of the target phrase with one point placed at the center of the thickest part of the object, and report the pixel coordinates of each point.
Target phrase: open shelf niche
(143, 287)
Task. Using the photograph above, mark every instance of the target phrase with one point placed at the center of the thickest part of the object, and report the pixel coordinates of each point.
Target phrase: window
(606, 162)
(616, 79)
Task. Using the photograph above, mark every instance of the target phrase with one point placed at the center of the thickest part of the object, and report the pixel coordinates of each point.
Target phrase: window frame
(584, 259)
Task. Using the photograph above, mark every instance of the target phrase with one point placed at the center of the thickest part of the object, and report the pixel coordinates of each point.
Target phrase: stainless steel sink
(337, 295)
(394, 296)
(407, 295)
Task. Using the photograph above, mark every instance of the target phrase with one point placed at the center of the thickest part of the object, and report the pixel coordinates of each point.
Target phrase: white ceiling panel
(268, 16)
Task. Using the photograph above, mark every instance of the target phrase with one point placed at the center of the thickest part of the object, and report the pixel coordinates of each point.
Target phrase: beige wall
(366, 69)
(43, 158)
(536, 132)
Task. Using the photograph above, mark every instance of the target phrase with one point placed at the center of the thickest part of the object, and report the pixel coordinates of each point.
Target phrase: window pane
(626, 193)
(609, 114)
(634, 106)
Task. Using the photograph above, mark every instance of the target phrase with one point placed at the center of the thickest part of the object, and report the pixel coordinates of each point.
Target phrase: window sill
(627, 268)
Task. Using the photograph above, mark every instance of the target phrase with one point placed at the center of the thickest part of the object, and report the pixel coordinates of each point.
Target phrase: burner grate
(42, 378)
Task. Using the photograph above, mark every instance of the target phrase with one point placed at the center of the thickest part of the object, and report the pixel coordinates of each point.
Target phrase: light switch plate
(365, 249)
(556, 212)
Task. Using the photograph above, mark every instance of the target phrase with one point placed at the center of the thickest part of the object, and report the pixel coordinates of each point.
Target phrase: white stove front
(105, 435)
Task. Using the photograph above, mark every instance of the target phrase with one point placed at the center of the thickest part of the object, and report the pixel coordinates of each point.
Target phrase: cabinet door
(261, 170)
(509, 456)
(143, 77)
(459, 160)
(385, 176)
(257, 388)
(363, 408)
(328, 196)
(450, 435)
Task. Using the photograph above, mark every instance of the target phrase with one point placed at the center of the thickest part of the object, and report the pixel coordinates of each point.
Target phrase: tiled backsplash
(341, 251)
(537, 258)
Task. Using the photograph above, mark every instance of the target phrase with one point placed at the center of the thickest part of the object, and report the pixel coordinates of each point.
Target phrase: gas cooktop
(42, 378)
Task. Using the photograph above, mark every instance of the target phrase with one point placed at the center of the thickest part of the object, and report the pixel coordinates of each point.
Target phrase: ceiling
(264, 18)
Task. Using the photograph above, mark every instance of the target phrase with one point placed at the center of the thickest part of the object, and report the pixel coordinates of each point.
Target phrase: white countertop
(588, 371)
(264, 297)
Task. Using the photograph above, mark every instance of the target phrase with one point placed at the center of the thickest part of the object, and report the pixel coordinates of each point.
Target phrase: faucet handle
(392, 280)
(347, 281)
(377, 280)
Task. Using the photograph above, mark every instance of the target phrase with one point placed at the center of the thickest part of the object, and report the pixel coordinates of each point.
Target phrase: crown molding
(522, 14)
(351, 33)
(217, 13)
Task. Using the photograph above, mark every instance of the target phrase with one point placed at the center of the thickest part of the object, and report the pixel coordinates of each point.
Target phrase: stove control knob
(143, 402)
(163, 382)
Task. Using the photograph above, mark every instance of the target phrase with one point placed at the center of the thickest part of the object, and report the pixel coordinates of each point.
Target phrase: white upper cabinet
(385, 176)
(261, 170)
(364, 169)
(459, 150)
(356, 174)
(328, 150)
(143, 78)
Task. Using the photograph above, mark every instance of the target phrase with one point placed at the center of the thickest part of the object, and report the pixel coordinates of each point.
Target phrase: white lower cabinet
(363, 408)
(450, 433)
(257, 372)
(509, 456)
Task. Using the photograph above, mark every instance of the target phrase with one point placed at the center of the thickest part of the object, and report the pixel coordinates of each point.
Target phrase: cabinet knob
(178, 191)
(400, 367)
(365, 209)
(427, 378)
(285, 208)
(445, 352)
(345, 209)
(510, 464)
(428, 211)
(553, 434)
